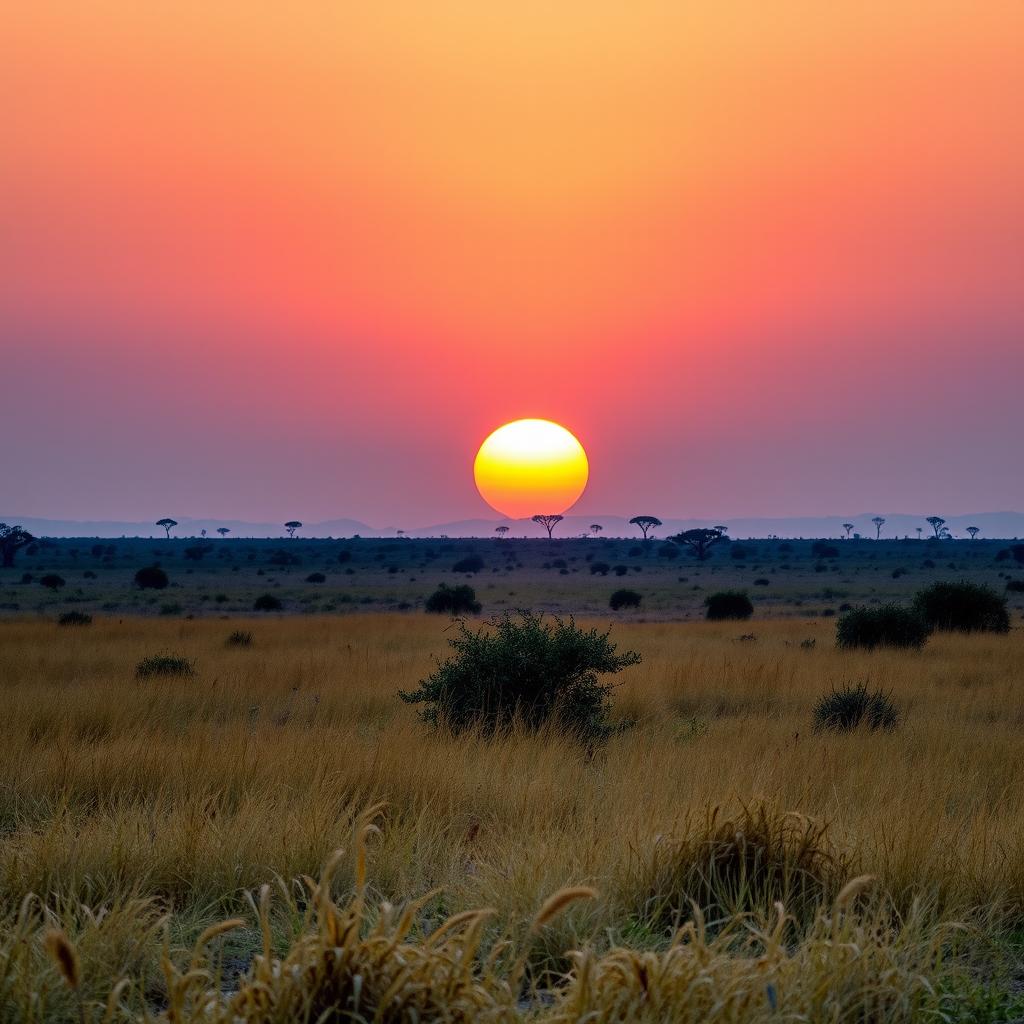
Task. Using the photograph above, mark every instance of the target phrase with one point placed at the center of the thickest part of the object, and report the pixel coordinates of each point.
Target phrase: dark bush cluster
(239, 638)
(728, 604)
(52, 581)
(624, 599)
(523, 671)
(889, 625)
(74, 619)
(599, 568)
(164, 665)
(854, 707)
(316, 577)
(267, 603)
(151, 577)
(460, 600)
(963, 607)
(471, 563)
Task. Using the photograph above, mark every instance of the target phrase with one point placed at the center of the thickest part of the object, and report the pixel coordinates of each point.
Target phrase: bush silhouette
(74, 619)
(52, 581)
(963, 607)
(524, 671)
(152, 577)
(471, 563)
(267, 603)
(281, 557)
(889, 625)
(316, 577)
(852, 707)
(728, 604)
(164, 665)
(599, 568)
(460, 600)
(624, 599)
(822, 550)
(239, 638)
(1015, 586)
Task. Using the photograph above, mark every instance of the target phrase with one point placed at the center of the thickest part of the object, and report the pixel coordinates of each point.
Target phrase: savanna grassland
(715, 859)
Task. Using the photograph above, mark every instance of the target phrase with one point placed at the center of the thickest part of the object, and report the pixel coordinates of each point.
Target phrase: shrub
(854, 706)
(762, 581)
(471, 563)
(888, 625)
(965, 607)
(316, 577)
(164, 665)
(170, 609)
(668, 551)
(151, 577)
(52, 581)
(738, 551)
(344, 556)
(282, 557)
(822, 550)
(523, 670)
(460, 600)
(74, 619)
(624, 599)
(267, 603)
(197, 553)
(599, 568)
(728, 604)
(620, 570)
(239, 638)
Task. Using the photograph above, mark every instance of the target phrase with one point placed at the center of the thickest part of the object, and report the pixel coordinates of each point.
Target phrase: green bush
(853, 707)
(460, 600)
(889, 625)
(74, 619)
(523, 670)
(164, 665)
(728, 604)
(964, 607)
(151, 577)
(624, 599)
(267, 603)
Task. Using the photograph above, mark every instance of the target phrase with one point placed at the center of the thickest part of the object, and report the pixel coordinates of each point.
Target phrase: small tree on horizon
(973, 531)
(936, 523)
(548, 522)
(223, 531)
(848, 527)
(12, 539)
(501, 530)
(292, 526)
(168, 525)
(879, 522)
(698, 541)
(645, 523)
(596, 528)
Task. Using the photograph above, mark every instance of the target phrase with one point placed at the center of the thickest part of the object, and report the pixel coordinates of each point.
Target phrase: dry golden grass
(172, 796)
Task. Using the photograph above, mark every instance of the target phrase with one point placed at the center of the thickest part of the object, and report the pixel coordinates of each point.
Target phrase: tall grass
(165, 800)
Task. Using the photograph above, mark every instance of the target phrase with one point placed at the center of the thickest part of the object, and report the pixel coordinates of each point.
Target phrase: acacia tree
(292, 526)
(936, 523)
(973, 531)
(501, 530)
(645, 523)
(848, 527)
(168, 525)
(879, 522)
(548, 522)
(698, 541)
(223, 531)
(920, 530)
(12, 539)
(596, 528)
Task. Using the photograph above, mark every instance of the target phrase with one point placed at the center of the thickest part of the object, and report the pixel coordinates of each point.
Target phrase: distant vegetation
(889, 625)
(728, 604)
(458, 600)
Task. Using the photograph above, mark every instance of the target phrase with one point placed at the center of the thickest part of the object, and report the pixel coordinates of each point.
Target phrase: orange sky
(338, 243)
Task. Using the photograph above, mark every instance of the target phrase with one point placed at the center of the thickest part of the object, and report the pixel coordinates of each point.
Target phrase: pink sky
(761, 259)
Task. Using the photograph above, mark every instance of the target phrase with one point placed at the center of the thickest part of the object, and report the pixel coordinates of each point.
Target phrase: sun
(531, 467)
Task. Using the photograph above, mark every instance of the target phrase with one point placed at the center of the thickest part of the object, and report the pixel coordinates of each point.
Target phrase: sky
(265, 261)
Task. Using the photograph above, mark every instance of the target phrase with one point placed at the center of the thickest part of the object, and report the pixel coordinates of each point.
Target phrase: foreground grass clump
(164, 665)
(74, 619)
(854, 706)
(963, 607)
(524, 671)
(457, 600)
(239, 638)
(728, 604)
(887, 626)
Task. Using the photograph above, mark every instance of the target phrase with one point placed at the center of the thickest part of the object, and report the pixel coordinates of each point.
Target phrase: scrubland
(742, 866)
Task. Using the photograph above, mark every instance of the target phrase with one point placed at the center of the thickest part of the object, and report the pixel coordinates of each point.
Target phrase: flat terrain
(139, 811)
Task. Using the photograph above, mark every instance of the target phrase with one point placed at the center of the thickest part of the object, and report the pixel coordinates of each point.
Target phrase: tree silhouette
(973, 531)
(920, 530)
(879, 522)
(168, 525)
(645, 523)
(698, 541)
(223, 531)
(936, 523)
(848, 527)
(596, 528)
(12, 538)
(52, 581)
(723, 530)
(501, 530)
(292, 526)
(548, 522)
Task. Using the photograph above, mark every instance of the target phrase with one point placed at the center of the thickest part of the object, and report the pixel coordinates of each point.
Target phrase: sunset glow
(531, 467)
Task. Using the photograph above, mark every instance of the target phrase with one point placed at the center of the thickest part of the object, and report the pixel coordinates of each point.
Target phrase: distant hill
(992, 525)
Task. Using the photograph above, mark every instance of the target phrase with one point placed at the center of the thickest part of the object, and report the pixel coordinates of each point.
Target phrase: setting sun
(531, 467)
